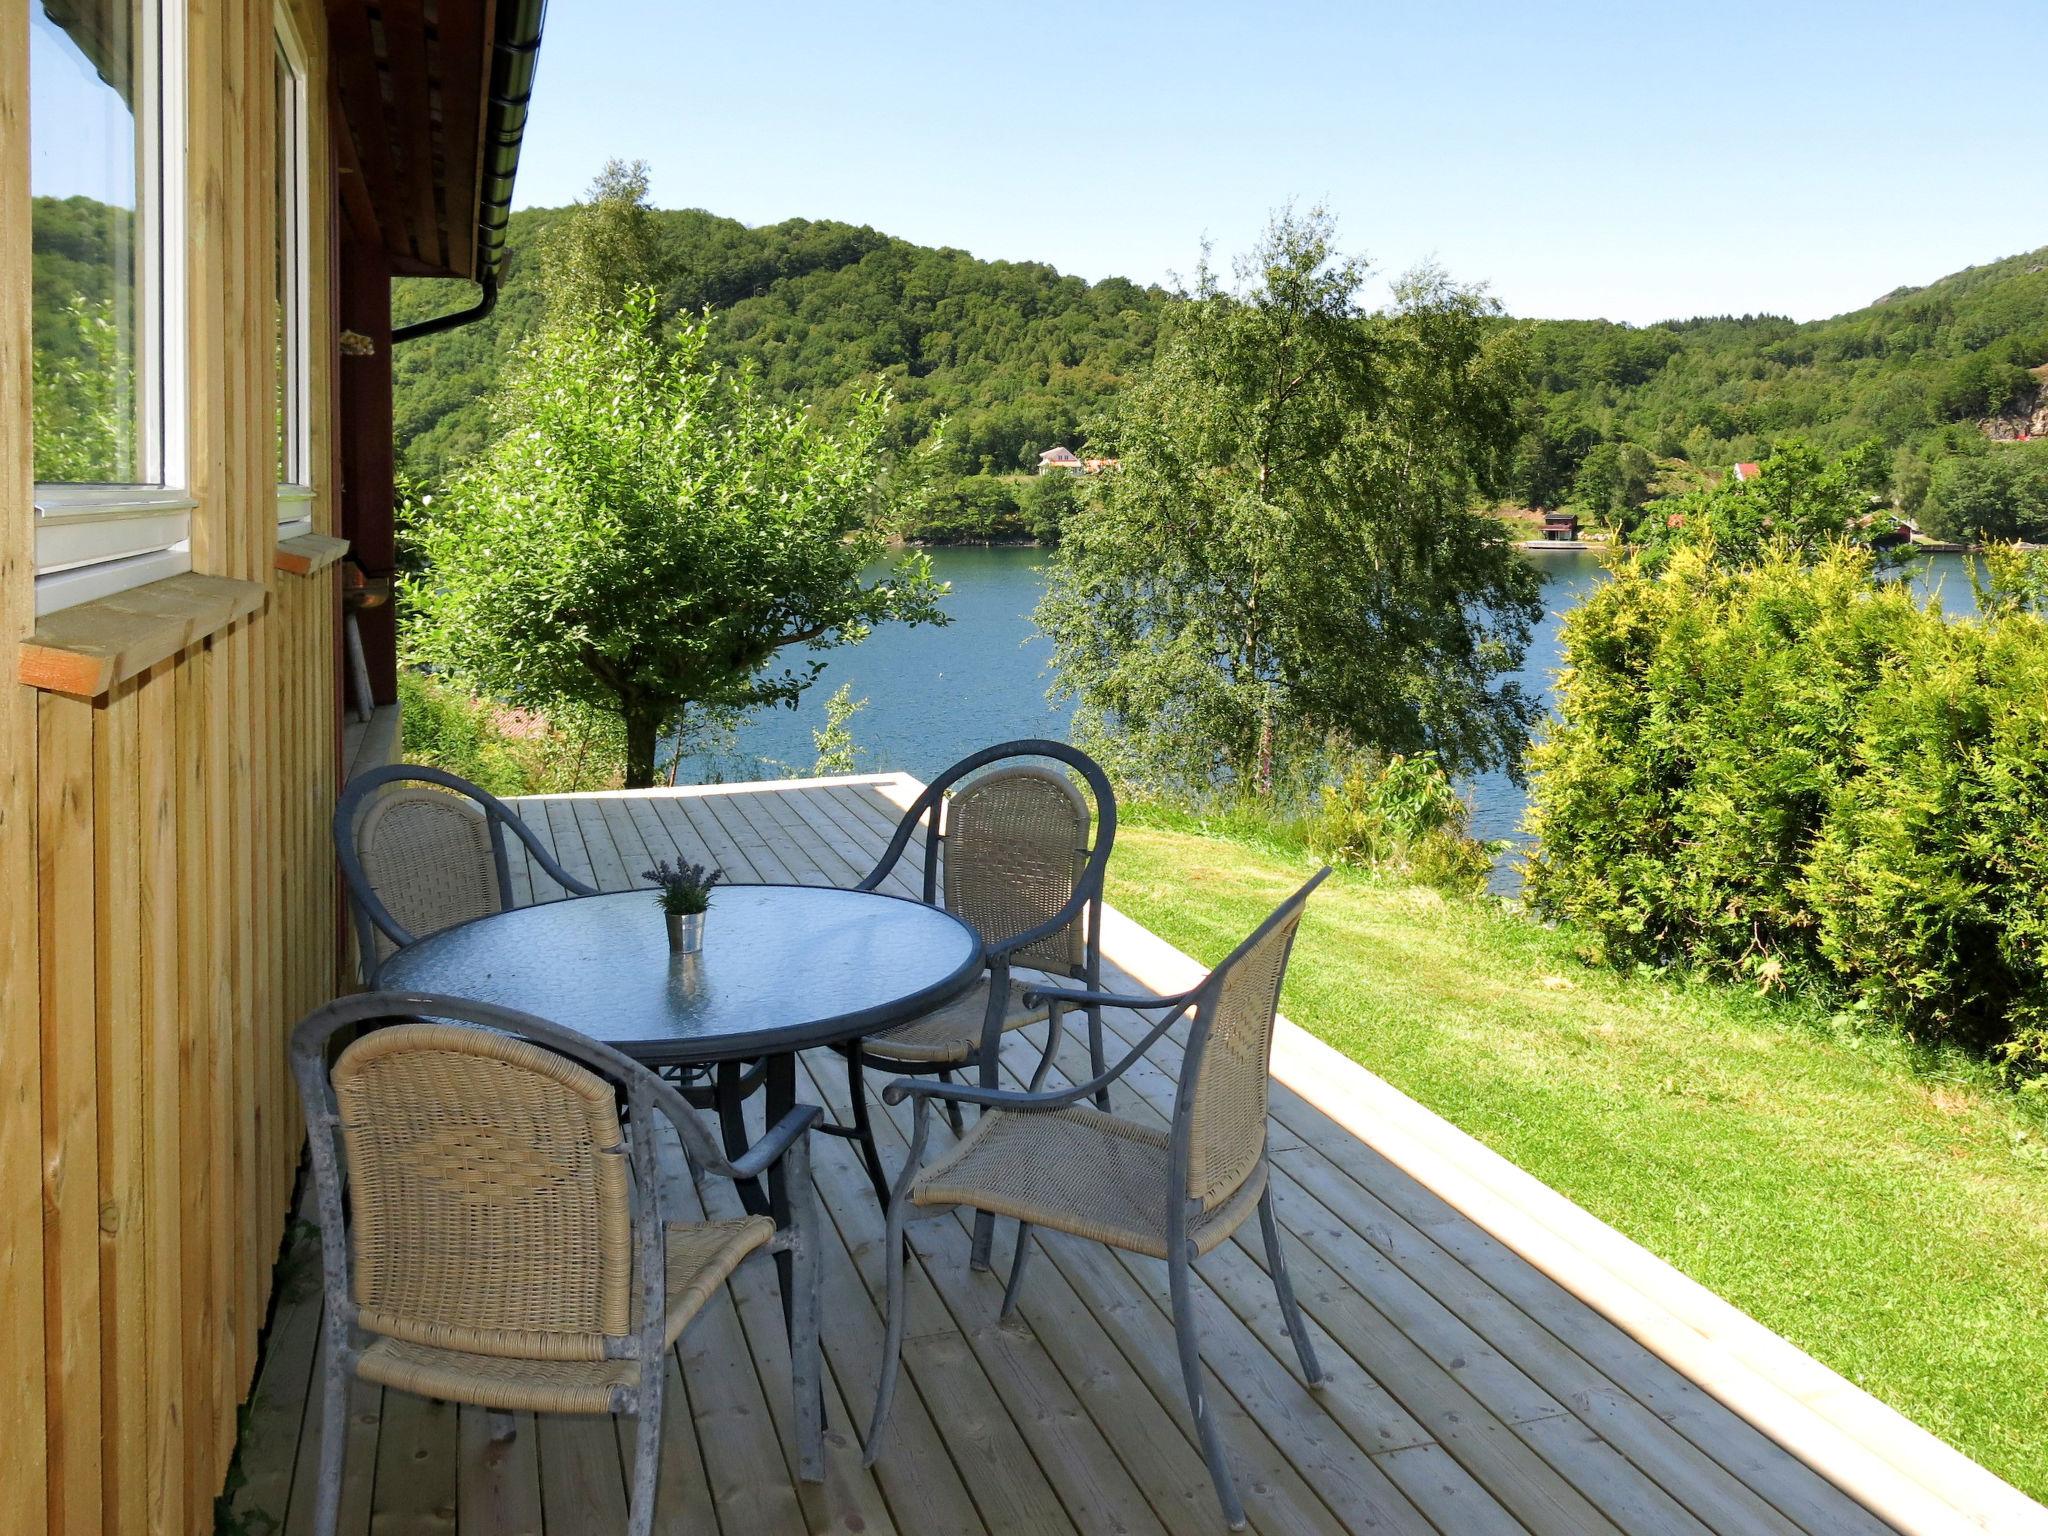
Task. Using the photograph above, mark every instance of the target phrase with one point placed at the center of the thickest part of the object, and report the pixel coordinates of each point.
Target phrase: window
(106, 402)
(294, 474)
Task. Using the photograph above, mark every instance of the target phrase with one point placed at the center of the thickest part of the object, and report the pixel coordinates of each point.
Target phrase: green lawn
(1888, 1215)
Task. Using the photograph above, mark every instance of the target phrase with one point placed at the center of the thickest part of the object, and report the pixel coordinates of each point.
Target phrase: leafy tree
(648, 532)
(1613, 482)
(1547, 459)
(2002, 494)
(1983, 385)
(837, 751)
(1801, 500)
(594, 261)
(1046, 504)
(1288, 559)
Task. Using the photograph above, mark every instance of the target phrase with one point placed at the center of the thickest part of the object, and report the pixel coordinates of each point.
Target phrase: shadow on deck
(1535, 1373)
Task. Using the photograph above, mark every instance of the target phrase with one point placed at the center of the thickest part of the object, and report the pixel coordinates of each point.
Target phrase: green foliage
(1802, 499)
(1046, 502)
(1982, 385)
(973, 509)
(1717, 390)
(1613, 483)
(1011, 356)
(685, 888)
(1404, 819)
(837, 751)
(647, 534)
(1548, 458)
(593, 262)
(508, 752)
(2013, 580)
(1288, 560)
(1998, 494)
(1790, 772)
(82, 409)
(83, 404)
(648, 531)
(1014, 358)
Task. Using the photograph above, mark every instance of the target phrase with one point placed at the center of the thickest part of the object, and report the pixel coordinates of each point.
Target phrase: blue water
(936, 694)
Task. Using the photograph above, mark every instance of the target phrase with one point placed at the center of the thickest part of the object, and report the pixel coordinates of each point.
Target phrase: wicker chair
(1051, 1159)
(423, 850)
(1008, 851)
(504, 1243)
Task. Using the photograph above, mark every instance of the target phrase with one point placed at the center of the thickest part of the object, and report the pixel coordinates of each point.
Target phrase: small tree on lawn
(1289, 559)
(648, 532)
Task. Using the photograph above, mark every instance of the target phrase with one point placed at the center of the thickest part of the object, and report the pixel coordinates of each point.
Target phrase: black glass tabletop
(783, 968)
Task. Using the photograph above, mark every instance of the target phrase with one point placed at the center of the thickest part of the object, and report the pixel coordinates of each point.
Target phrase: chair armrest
(965, 1093)
(507, 817)
(926, 1090)
(769, 1150)
(1081, 998)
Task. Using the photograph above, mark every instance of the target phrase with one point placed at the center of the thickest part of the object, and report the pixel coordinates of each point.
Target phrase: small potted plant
(685, 896)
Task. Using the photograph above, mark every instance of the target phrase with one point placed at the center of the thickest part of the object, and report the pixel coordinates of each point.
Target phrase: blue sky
(1633, 161)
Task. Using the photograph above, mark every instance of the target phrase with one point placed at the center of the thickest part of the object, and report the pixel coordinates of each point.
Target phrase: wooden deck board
(1469, 1392)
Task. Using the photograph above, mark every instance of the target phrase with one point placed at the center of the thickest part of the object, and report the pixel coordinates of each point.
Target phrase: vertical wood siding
(167, 893)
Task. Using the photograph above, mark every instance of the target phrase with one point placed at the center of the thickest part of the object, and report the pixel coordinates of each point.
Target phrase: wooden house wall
(167, 900)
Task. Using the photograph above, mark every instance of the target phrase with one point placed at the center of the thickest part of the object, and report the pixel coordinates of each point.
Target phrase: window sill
(87, 650)
(309, 552)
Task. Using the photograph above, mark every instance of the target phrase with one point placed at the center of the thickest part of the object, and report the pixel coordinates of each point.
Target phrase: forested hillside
(1017, 357)
(1919, 370)
(1012, 354)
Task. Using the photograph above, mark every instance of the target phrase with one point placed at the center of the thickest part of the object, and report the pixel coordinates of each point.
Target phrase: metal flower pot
(685, 931)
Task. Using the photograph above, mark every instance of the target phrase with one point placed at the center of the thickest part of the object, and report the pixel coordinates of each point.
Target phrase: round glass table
(783, 968)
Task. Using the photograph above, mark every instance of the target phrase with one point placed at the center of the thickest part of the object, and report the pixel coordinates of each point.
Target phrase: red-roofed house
(1746, 472)
(1059, 457)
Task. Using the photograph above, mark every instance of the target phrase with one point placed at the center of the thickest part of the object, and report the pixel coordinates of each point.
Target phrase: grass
(1886, 1212)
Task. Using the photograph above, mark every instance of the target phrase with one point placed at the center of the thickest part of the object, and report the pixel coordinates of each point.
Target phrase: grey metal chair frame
(372, 917)
(784, 1147)
(1085, 905)
(722, 1089)
(1199, 1006)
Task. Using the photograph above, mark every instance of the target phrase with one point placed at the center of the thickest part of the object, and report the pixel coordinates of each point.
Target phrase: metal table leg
(781, 1100)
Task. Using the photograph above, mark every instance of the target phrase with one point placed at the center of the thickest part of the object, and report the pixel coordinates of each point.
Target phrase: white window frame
(92, 541)
(295, 493)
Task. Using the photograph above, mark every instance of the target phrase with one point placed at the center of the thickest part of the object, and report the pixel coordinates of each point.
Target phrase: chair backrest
(1015, 850)
(429, 855)
(488, 1190)
(423, 849)
(1226, 1075)
(1008, 849)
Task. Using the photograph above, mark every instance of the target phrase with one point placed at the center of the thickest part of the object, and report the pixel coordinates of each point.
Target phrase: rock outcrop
(2026, 420)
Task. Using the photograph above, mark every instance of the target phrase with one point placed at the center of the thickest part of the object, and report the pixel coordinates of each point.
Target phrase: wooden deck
(1475, 1390)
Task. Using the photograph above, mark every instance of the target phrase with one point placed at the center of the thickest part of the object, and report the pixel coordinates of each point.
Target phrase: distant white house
(1061, 457)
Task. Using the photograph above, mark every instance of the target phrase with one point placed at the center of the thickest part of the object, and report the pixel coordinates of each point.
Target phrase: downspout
(485, 303)
(513, 57)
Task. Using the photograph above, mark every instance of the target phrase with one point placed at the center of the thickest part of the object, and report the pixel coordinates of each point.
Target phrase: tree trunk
(1266, 748)
(643, 736)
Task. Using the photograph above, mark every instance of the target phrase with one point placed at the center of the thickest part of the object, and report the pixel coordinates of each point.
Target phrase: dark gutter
(487, 302)
(514, 55)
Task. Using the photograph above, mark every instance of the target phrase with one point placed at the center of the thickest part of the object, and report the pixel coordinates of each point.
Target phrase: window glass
(90, 401)
(290, 296)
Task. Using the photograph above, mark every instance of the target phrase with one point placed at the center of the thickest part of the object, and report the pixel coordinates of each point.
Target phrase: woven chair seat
(1077, 1170)
(700, 1257)
(952, 1033)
